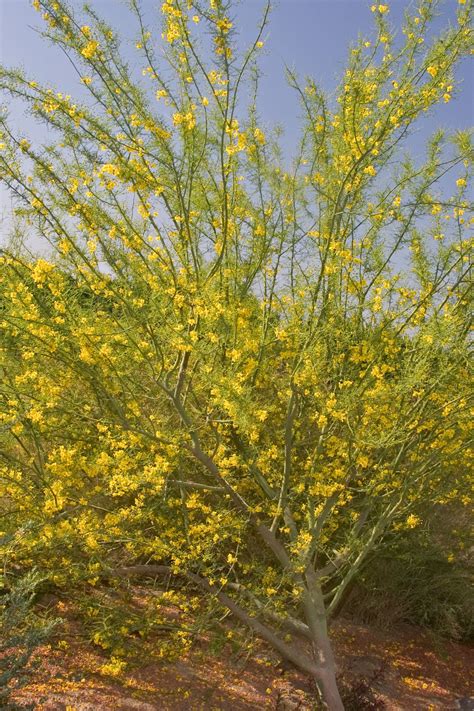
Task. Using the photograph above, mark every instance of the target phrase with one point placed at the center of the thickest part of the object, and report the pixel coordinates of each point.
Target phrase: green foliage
(416, 580)
(21, 633)
(138, 624)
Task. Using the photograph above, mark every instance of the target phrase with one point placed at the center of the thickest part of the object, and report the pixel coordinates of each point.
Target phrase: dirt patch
(408, 667)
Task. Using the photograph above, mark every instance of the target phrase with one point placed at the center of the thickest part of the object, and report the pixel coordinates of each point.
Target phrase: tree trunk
(316, 619)
(329, 692)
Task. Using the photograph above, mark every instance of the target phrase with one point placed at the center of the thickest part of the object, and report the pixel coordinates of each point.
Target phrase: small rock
(365, 665)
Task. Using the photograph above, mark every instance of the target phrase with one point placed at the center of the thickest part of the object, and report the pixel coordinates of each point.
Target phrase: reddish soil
(406, 668)
(411, 670)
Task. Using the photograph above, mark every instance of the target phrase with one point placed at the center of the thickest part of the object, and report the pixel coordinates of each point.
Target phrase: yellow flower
(41, 271)
(90, 49)
(110, 168)
(143, 211)
(432, 70)
(189, 120)
(196, 19)
(114, 667)
(259, 136)
(224, 25)
(322, 421)
(461, 183)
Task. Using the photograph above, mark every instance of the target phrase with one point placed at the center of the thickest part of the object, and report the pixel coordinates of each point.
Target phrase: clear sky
(311, 36)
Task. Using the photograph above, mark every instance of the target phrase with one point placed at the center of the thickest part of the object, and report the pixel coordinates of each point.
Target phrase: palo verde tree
(229, 369)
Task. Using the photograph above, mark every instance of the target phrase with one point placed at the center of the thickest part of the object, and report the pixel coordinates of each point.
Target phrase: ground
(406, 669)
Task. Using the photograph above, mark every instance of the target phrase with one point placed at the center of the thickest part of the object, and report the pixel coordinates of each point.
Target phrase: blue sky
(311, 36)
